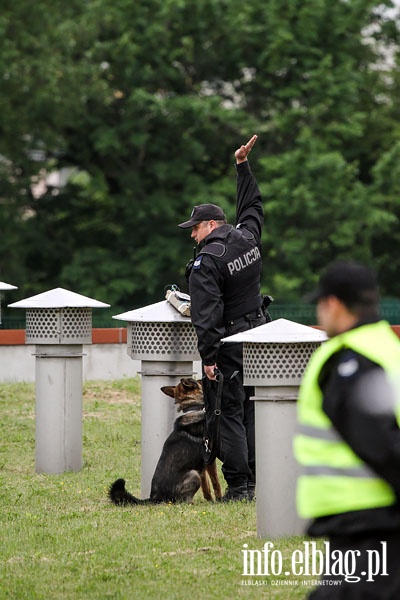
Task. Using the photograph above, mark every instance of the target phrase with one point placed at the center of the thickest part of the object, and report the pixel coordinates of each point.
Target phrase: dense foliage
(119, 116)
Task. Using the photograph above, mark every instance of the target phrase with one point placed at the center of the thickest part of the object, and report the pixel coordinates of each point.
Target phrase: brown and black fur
(180, 470)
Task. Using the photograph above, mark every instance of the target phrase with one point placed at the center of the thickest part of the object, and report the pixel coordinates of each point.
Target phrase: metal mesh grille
(59, 326)
(276, 364)
(162, 341)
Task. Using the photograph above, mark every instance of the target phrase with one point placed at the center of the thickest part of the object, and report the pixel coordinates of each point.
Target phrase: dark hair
(352, 283)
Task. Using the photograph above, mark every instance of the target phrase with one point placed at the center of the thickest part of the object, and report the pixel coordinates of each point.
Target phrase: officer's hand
(209, 370)
(242, 152)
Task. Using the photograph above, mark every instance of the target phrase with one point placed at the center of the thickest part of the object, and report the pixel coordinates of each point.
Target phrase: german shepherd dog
(181, 469)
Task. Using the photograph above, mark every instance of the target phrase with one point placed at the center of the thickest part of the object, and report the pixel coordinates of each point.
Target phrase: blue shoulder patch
(197, 262)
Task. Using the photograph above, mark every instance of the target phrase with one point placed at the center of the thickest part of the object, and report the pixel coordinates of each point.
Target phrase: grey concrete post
(58, 408)
(158, 412)
(275, 414)
(274, 358)
(58, 322)
(166, 343)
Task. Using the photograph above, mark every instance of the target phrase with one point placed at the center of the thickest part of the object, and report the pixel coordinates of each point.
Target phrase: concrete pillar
(274, 358)
(275, 415)
(158, 412)
(166, 344)
(58, 408)
(58, 322)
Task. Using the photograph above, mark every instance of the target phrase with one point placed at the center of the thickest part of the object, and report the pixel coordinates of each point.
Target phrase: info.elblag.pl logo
(309, 560)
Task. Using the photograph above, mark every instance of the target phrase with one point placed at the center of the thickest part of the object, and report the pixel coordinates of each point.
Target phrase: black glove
(267, 300)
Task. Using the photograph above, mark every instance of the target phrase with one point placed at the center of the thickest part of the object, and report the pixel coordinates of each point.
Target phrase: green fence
(294, 311)
(306, 313)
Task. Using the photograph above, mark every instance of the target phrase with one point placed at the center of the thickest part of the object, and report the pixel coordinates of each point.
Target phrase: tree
(143, 103)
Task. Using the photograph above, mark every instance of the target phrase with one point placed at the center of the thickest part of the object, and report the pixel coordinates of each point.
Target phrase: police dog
(180, 470)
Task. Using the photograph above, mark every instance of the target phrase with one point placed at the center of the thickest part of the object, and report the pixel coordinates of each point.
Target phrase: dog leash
(220, 380)
(217, 409)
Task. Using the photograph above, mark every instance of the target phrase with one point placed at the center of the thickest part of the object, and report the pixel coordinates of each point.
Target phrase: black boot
(251, 490)
(235, 493)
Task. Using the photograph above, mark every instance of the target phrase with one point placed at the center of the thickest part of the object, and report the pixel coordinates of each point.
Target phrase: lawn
(62, 538)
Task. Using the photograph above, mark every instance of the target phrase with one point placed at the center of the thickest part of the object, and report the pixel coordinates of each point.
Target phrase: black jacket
(224, 284)
(373, 435)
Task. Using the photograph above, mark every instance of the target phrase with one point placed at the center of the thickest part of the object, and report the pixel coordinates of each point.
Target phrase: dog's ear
(169, 390)
(189, 383)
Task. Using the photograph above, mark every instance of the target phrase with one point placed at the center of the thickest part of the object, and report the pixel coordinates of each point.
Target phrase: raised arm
(242, 152)
(249, 208)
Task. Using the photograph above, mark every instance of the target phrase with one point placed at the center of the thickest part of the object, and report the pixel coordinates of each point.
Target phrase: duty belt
(255, 314)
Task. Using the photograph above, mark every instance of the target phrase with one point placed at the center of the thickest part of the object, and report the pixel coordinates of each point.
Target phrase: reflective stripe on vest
(332, 478)
(363, 471)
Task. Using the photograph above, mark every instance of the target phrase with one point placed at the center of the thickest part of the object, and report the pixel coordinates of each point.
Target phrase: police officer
(224, 287)
(348, 440)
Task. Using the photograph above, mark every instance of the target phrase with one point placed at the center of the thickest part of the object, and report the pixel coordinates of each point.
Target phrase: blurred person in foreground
(348, 438)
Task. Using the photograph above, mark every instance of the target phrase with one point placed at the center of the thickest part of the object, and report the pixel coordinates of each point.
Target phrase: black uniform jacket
(353, 386)
(224, 284)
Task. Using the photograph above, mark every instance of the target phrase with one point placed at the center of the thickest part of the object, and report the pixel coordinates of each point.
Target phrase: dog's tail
(119, 495)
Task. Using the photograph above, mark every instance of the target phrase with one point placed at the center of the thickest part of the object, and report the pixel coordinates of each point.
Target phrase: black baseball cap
(204, 212)
(349, 281)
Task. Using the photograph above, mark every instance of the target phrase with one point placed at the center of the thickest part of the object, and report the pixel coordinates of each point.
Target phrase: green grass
(62, 539)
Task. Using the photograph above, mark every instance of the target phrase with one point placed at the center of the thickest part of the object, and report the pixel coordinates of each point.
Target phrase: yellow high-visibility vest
(333, 479)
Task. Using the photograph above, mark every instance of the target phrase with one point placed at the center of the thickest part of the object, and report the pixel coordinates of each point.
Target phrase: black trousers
(373, 562)
(237, 419)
